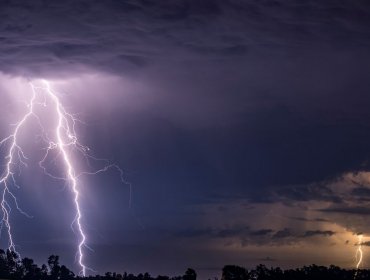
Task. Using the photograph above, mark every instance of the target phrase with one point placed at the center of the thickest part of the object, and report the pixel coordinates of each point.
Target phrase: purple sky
(244, 127)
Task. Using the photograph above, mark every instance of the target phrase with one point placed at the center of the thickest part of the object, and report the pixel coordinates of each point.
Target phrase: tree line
(312, 272)
(12, 267)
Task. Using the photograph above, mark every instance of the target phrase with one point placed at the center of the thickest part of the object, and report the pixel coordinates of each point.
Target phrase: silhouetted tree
(54, 267)
(190, 274)
(44, 272)
(65, 273)
(13, 265)
(30, 270)
(261, 272)
(4, 272)
(162, 277)
(234, 272)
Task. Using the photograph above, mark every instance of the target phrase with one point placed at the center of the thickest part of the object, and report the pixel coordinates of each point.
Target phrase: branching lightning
(15, 154)
(64, 142)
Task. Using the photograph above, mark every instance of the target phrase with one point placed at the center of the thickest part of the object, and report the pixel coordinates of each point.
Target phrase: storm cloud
(227, 116)
(40, 37)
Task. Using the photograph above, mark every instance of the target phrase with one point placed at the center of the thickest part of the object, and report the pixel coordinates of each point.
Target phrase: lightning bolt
(66, 136)
(64, 141)
(14, 155)
(359, 254)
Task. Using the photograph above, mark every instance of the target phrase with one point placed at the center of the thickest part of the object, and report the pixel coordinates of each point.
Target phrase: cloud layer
(39, 38)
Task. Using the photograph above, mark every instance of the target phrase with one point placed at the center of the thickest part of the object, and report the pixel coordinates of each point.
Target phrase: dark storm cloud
(316, 192)
(284, 233)
(363, 211)
(362, 192)
(316, 220)
(265, 81)
(261, 232)
(311, 233)
(288, 234)
(38, 36)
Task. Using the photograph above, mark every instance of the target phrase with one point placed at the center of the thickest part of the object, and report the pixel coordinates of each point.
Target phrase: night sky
(243, 127)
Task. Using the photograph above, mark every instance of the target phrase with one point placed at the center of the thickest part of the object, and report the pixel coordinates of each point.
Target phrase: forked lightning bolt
(15, 156)
(64, 141)
(66, 137)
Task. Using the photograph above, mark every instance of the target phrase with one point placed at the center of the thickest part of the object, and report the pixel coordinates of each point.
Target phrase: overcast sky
(243, 126)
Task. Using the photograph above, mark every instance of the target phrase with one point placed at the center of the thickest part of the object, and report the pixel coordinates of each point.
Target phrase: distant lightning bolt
(359, 254)
(65, 138)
